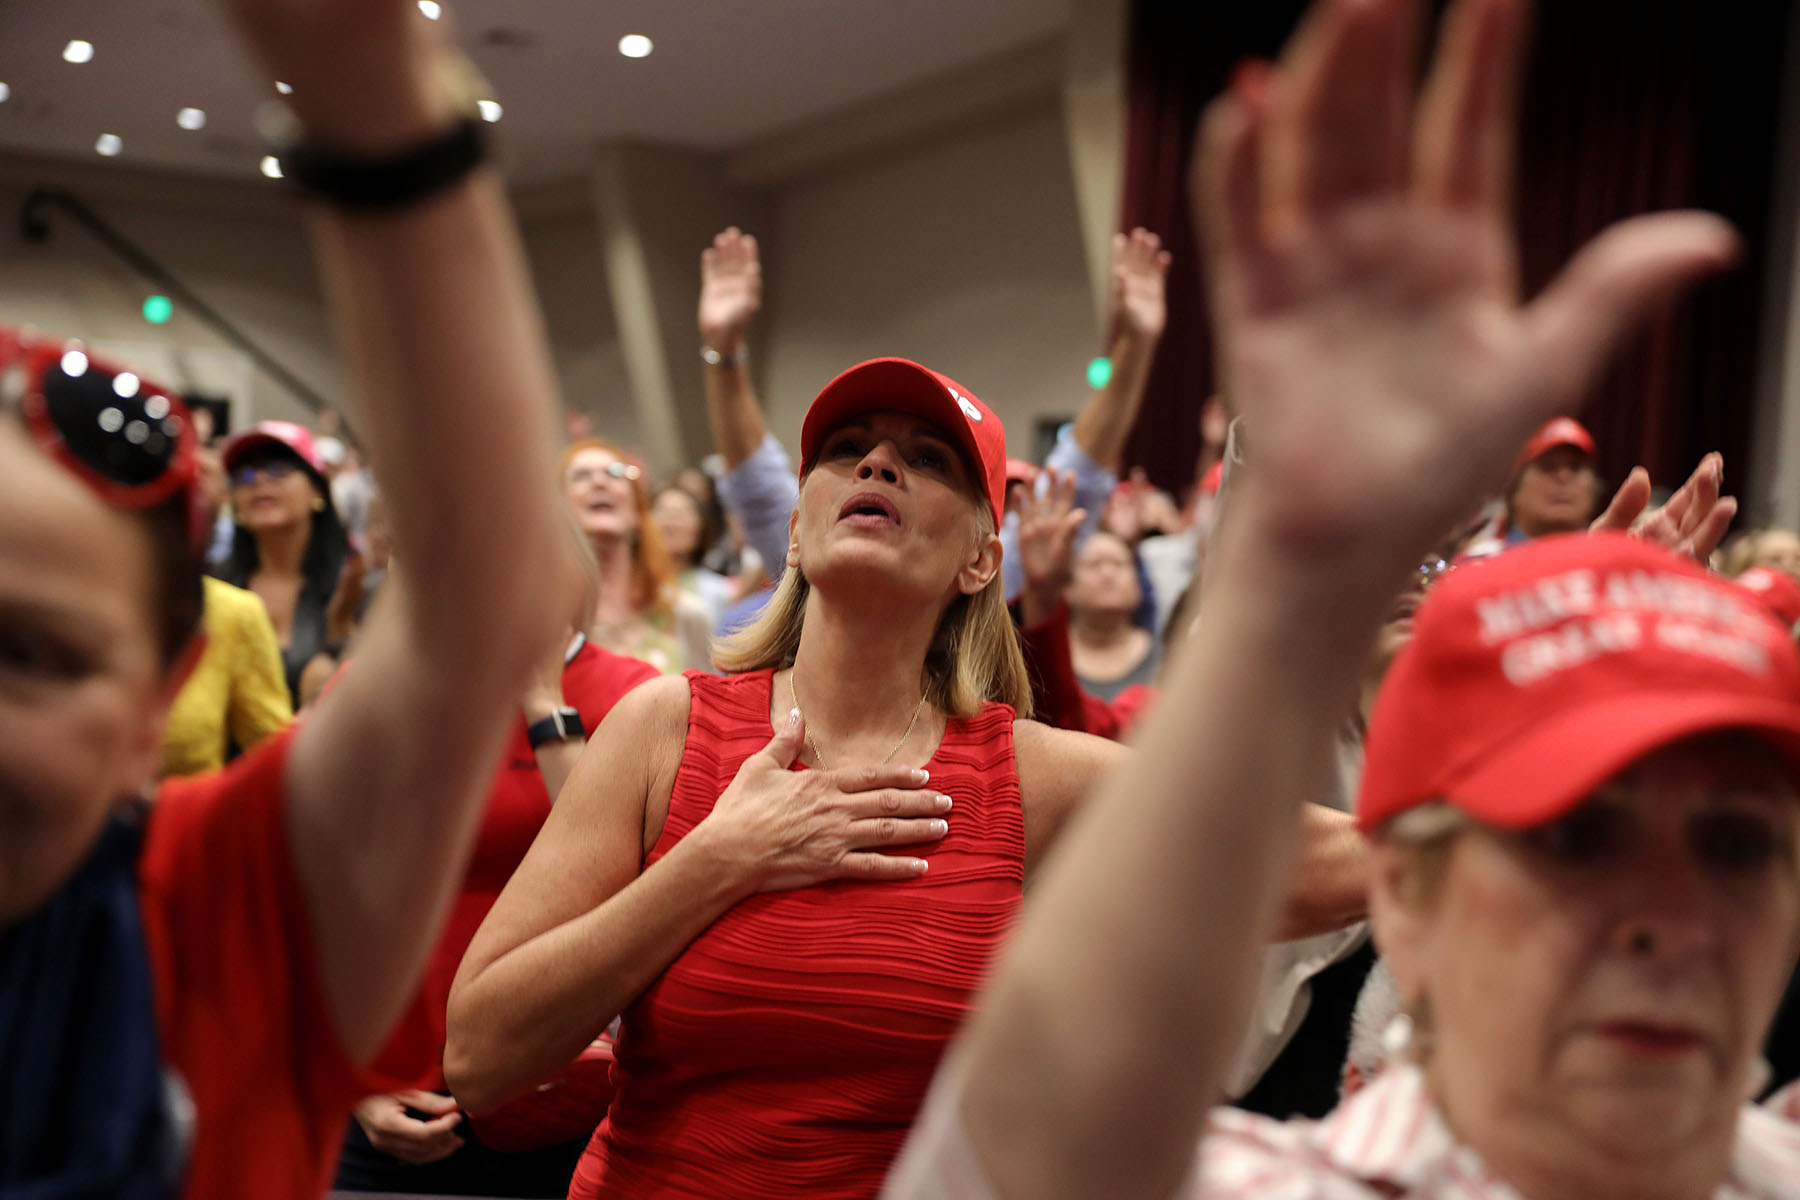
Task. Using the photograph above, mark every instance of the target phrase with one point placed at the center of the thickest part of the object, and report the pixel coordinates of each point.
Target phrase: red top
(787, 1051)
(1057, 697)
(240, 1004)
(517, 807)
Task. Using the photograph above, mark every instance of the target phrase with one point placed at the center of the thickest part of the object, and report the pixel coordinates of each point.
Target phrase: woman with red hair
(642, 611)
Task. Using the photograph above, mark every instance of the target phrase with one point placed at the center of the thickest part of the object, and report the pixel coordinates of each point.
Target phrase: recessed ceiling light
(191, 119)
(431, 8)
(78, 51)
(109, 144)
(490, 110)
(5, 93)
(271, 166)
(283, 88)
(635, 45)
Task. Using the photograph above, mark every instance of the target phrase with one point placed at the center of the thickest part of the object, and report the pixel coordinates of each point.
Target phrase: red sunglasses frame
(35, 357)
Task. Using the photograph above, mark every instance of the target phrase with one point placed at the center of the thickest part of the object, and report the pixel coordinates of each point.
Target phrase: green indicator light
(158, 309)
(1099, 373)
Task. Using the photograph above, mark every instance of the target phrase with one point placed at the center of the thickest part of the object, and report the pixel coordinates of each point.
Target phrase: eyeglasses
(272, 469)
(128, 439)
(613, 470)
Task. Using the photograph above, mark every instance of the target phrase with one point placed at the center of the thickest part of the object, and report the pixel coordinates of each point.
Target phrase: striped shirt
(1385, 1141)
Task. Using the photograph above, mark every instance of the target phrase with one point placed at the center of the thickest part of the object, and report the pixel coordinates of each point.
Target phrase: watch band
(562, 725)
(392, 181)
(713, 358)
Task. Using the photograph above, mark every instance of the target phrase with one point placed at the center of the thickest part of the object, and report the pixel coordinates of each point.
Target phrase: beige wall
(964, 253)
(564, 255)
(962, 250)
(241, 249)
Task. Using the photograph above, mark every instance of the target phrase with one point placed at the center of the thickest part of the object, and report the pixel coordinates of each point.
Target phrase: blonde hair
(974, 655)
(652, 570)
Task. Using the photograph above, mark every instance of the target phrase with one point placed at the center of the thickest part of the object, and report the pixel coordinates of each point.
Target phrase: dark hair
(180, 598)
(326, 548)
(327, 544)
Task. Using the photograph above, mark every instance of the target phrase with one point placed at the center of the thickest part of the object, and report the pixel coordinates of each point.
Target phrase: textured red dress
(787, 1051)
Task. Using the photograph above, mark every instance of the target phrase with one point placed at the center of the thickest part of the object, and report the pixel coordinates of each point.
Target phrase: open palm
(1362, 273)
(730, 289)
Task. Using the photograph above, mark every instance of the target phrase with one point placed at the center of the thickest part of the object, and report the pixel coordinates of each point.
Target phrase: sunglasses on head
(126, 438)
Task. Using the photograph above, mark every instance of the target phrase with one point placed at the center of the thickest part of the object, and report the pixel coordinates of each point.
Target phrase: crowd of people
(416, 804)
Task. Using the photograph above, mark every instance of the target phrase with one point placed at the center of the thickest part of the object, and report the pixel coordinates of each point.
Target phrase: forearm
(1159, 909)
(455, 403)
(556, 762)
(523, 1016)
(1105, 423)
(733, 412)
(1328, 883)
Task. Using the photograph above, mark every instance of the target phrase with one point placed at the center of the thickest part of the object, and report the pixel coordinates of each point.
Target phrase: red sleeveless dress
(787, 1051)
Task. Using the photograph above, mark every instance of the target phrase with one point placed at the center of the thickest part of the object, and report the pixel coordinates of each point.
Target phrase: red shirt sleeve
(241, 1008)
(1056, 693)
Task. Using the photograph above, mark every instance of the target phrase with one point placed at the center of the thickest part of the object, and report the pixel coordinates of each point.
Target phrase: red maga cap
(1563, 431)
(901, 385)
(1535, 676)
(1779, 592)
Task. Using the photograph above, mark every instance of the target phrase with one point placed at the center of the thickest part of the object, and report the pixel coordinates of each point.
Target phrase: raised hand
(790, 829)
(730, 289)
(1047, 528)
(1362, 271)
(1140, 267)
(1692, 520)
(367, 75)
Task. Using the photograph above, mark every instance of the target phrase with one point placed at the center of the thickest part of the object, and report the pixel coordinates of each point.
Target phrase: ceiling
(723, 72)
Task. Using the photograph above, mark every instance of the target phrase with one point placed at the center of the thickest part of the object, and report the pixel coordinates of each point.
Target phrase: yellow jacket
(238, 685)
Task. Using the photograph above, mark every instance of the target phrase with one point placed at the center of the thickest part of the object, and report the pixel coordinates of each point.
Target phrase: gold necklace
(819, 757)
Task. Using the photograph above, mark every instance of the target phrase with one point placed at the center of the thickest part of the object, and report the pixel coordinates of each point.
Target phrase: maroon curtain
(1631, 106)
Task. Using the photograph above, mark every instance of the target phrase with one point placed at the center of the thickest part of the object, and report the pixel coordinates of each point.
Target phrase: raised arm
(1140, 267)
(730, 298)
(454, 396)
(759, 487)
(1361, 269)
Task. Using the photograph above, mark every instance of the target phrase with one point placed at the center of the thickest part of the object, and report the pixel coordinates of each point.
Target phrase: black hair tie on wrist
(390, 182)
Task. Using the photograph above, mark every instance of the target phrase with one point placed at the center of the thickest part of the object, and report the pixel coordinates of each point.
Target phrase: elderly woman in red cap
(791, 951)
(1583, 773)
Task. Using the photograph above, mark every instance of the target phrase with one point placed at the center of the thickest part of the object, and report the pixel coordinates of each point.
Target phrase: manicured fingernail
(921, 866)
(944, 802)
(793, 717)
(940, 827)
(920, 775)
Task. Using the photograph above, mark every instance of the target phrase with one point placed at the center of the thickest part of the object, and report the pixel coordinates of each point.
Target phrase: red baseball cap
(901, 385)
(1779, 592)
(1533, 677)
(1563, 431)
(1020, 471)
(295, 439)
